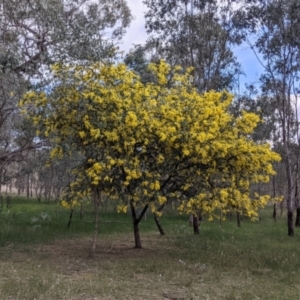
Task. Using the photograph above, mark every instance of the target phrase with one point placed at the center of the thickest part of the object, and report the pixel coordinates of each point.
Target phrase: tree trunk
(297, 222)
(135, 222)
(275, 212)
(288, 166)
(238, 218)
(137, 238)
(136, 230)
(196, 224)
(96, 218)
(156, 219)
(274, 195)
(70, 219)
(290, 223)
(161, 230)
(27, 186)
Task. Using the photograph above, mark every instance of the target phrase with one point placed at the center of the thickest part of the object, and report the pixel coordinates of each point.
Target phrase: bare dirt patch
(118, 247)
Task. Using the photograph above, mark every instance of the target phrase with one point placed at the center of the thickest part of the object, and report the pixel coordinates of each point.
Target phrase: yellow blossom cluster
(145, 144)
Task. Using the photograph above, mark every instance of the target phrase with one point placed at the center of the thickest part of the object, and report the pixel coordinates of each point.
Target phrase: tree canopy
(146, 143)
(35, 34)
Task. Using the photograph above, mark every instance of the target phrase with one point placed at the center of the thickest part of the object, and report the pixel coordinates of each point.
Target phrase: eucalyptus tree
(137, 60)
(37, 33)
(198, 34)
(275, 28)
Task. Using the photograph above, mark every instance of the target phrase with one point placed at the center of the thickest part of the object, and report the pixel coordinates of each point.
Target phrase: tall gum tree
(35, 34)
(275, 27)
(198, 34)
(142, 144)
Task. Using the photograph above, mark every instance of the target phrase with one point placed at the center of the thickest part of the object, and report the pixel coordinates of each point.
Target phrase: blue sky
(136, 34)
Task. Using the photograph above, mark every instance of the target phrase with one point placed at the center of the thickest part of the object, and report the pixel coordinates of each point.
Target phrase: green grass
(30, 221)
(48, 261)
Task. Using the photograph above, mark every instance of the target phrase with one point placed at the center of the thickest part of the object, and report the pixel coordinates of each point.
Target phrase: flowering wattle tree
(143, 144)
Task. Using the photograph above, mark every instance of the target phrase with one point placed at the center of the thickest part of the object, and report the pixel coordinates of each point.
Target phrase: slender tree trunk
(96, 199)
(275, 212)
(27, 186)
(196, 224)
(297, 222)
(238, 218)
(290, 224)
(137, 238)
(31, 183)
(161, 230)
(288, 166)
(135, 222)
(156, 219)
(136, 230)
(274, 195)
(290, 213)
(70, 218)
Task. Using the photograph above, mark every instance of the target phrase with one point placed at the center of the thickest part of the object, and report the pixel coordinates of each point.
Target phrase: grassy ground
(41, 259)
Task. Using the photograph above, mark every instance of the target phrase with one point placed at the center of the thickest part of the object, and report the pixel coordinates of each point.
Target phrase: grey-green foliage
(277, 39)
(267, 109)
(15, 139)
(42, 179)
(35, 34)
(275, 26)
(198, 34)
(137, 60)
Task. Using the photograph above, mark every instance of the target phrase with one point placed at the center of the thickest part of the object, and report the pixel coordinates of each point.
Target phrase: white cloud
(136, 33)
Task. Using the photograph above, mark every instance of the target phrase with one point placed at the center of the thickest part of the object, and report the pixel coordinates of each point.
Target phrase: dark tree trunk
(274, 195)
(137, 238)
(275, 212)
(196, 224)
(27, 186)
(297, 222)
(156, 219)
(135, 222)
(70, 218)
(161, 230)
(290, 223)
(238, 218)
